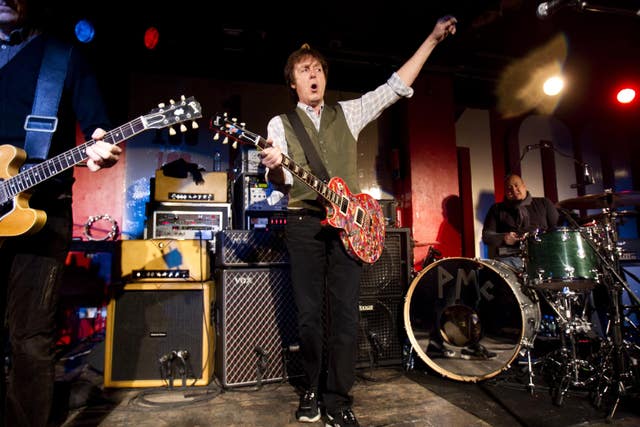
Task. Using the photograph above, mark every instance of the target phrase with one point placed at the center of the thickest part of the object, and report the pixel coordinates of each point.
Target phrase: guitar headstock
(175, 112)
(221, 124)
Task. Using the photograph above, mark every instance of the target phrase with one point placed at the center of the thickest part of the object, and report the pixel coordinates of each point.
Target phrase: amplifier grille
(255, 325)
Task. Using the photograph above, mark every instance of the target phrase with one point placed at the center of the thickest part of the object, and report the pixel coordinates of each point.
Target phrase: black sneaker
(308, 411)
(476, 351)
(342, 418)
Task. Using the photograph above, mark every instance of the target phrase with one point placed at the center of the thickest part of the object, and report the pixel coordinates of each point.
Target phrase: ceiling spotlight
(553, 86)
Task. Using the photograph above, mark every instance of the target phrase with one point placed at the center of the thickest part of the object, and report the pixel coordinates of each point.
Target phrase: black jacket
(530, 214)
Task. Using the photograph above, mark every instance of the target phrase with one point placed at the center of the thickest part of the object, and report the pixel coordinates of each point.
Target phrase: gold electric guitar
(16, 218)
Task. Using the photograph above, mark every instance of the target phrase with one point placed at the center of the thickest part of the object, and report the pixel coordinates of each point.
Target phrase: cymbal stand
(565, 364)
(615, 375)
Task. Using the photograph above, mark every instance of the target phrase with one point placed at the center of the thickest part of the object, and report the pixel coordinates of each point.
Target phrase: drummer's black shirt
(528, 215)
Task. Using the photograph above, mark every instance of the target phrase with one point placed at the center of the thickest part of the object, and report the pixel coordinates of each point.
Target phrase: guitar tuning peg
(183, 128)
(182, 97)
(172, 102)
(172, 131)
(161, 105)
(235, 144)
(225, 140)
(194, 125)
(216, 136)
(234, 120)
(225, 115)
(242, 124)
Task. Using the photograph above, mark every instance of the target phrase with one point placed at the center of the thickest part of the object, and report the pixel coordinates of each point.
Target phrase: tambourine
(95, 218)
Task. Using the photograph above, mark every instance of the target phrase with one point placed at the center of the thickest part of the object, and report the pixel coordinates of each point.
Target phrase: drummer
(508, 222)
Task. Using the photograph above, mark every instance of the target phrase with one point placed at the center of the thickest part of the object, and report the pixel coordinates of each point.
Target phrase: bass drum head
(468, 319)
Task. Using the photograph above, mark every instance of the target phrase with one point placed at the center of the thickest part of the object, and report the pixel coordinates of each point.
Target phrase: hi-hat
(602, 201)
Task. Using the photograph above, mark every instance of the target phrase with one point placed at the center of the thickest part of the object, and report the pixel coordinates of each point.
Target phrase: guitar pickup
(41, 123)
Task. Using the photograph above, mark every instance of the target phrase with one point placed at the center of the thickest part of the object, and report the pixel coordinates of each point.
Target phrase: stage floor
(384, 396)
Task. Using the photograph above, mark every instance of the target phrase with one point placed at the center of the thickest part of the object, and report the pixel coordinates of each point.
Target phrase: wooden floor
(385, 396)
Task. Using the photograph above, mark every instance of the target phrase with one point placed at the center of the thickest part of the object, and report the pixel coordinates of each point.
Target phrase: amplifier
(245, 248)
(255, 325)
(169, 189)
(149, 324)
(391, 273)
(381, 329)
(254, 193)
(248, 161)
(165, 259)
(188, 220)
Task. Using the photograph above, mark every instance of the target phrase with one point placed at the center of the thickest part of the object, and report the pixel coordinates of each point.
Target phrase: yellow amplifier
(165, 260)
(158, 331)
(213, 189)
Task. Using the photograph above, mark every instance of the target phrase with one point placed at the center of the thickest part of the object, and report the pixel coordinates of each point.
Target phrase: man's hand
(511, 238)
(445, 26)
(101, 154)
(271, 156)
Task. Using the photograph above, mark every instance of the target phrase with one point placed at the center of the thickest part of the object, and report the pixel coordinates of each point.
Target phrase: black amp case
(250, 248)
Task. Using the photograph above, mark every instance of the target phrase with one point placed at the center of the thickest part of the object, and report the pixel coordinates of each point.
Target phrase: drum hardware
(617, 359)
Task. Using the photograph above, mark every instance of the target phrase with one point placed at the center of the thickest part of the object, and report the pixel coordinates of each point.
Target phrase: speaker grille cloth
(149, 324)
(258, 322)
(388, 275)
(379, 340)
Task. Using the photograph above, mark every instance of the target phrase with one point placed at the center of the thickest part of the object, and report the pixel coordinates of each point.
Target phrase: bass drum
(468, 319)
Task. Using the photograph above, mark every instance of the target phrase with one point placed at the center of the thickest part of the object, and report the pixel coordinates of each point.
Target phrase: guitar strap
(42, 122)
(310, 151)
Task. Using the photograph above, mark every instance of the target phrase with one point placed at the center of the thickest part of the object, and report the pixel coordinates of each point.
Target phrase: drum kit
(568, 314)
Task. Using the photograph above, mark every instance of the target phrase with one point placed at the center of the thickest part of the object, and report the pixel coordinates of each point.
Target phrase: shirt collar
(16, 37)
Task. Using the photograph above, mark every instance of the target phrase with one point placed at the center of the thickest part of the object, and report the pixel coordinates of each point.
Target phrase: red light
(151, 37)
(626, 95)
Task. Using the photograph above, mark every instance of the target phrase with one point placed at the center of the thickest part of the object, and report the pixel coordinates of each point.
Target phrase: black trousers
(321, 266)
(30, 273)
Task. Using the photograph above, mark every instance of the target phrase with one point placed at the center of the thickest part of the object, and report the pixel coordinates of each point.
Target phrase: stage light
(151, 37)
(84, 31)
(626, 95)
(553, 86)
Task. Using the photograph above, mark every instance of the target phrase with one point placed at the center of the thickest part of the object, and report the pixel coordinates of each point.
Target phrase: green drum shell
(560, 257)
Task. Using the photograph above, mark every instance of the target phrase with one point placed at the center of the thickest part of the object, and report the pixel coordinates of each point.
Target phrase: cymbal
(602, 201)
(604, 215)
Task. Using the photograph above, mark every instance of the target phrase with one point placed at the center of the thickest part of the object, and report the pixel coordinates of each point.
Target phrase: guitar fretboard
(53, 166)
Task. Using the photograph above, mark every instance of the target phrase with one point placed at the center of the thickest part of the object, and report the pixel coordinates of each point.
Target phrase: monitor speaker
(159, 331)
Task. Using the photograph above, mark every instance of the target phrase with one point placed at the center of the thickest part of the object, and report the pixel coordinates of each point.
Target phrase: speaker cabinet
(381, 331)
(146, 321)
(255, 324)
(391, 273)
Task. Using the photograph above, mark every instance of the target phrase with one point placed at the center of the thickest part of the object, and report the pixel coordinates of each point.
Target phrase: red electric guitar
(358, 216)
(16, 218)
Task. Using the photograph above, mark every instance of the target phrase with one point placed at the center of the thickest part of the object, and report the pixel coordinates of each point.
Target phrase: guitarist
(317, 255)
(31, 266)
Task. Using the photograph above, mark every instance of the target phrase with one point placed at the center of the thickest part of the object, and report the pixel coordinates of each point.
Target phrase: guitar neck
(42, 171)
(313, 182)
